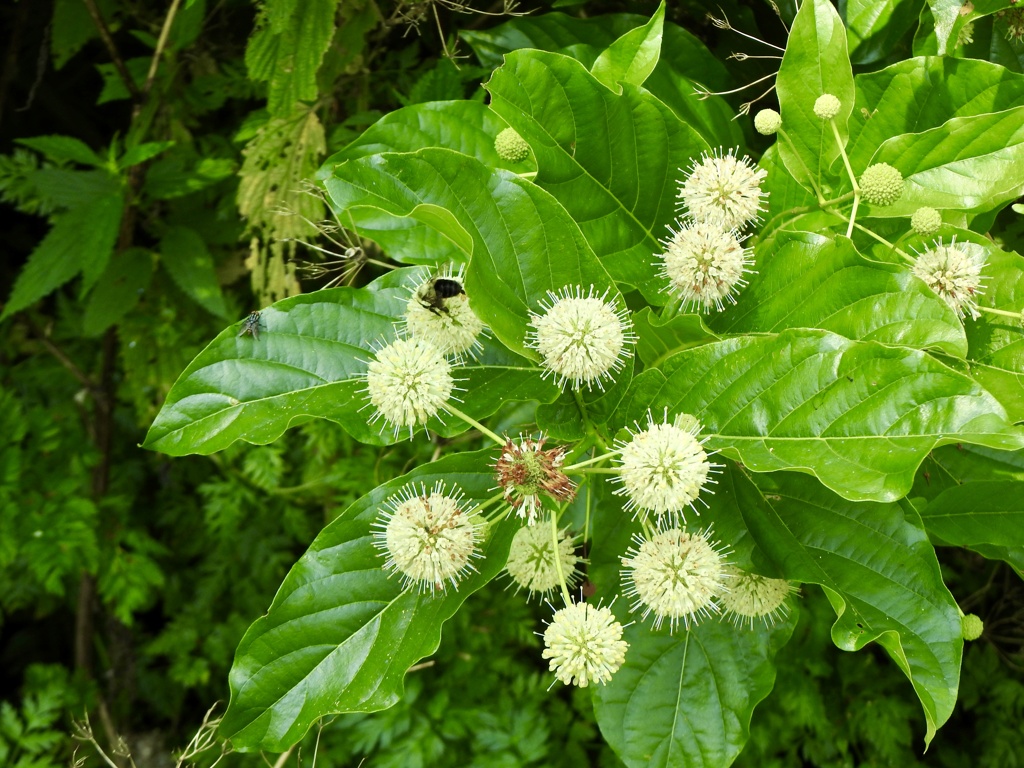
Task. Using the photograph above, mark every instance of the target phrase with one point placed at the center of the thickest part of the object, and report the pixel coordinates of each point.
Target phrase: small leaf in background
(815, 63)
(632, 57)
(143, 152)
(175, 175)
(81, 241)
(185, 257)
(985, 516)
(63, 149)
(118, 290)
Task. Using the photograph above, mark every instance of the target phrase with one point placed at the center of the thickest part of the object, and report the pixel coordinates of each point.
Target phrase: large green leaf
(922, 93)
(522, 242)
(306, 364)
(685, 700)
(968, 164)
(185, 257)
(878, 571)
(659, 337)
(986, 516)
(860, 416)
(340, 635)
(945, 14)
(633, 57)
(118, 290)
(684, 62)
(815, 62)
(812, 281)
(997, 343)
(619, 183)
(874, 27)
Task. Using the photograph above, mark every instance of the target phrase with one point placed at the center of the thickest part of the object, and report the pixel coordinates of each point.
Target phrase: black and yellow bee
(435, 292)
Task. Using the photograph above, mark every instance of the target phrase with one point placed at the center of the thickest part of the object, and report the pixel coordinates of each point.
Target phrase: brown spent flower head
(525, 471)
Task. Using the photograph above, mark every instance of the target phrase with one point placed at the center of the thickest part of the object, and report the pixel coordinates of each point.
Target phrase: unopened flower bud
(511, 147)
(971, 626)
(827, 106)
(881, 184)
(767, 122)
(926, 221)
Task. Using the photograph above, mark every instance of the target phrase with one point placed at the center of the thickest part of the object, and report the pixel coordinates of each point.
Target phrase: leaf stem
(1002, 312)
(594, 471)
(473, 422)
(849, 170)
(558, 560)
(588, 462)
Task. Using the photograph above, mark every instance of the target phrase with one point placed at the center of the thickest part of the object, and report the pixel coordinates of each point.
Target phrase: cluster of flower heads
(410, 379)
(704, 261)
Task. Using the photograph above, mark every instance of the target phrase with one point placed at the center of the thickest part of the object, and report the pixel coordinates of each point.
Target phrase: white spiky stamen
(582, 338)
(407, 383)
(429, 538)
(664, 468)
(751, 596)
(455, 329)
(584, 644)
(953, 272)
(723, 189)
(675, 575)
(704, 265)
(533, 561)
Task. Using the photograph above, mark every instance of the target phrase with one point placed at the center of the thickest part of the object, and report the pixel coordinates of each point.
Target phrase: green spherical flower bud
(971, 626)
(511, 147)
(881, 184)
(767, 122)
(926, 221)
(827, 106)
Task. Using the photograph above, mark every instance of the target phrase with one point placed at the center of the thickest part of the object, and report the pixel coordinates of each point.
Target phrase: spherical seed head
(454, 328)
(881, 184)
(675, 575)
(953, 272)
(409, 381)
(751, 596)
(533, 560)
(926, 221)
(663, 468)
(971, 626)
(430, 538)
(511, 147)
(767, 122)
(525, 471)
(704, 265)
(827, 106)
(724, 189)
(583, 339)
(584, 644)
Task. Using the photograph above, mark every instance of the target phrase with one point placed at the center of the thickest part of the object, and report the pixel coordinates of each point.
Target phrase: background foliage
(152, 169)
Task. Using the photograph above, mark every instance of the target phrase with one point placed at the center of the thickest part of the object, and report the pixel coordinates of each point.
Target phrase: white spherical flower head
(582, 338)
(429, 538)
(664, 467)
(751, 597)
(767, 122)
(440, 314)
(409, 381)
(953, 272)
(675, 575)
(533, 562)
(704, 265)
(827, 106)
(724, 189)
(926, 221)
(584, 644)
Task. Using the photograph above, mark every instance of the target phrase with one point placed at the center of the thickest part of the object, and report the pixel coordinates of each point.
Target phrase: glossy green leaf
(185, 257)
(685, 700)
(997, 343)
(658, 337)
(922, 93)
(81, 241)
(875, 27)
(633, 57)
(986, 516)
(968, 163)
(468, 127)
(340, 635)
(118, 290)
(306, 364)
(860, 416)
(811, 281)
(618, 183)
(815, 62)
(523, 243)
(879, 572)
(945, 13)
(684, 62)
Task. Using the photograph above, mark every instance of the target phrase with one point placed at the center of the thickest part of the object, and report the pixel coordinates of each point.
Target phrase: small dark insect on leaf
(252, 326)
